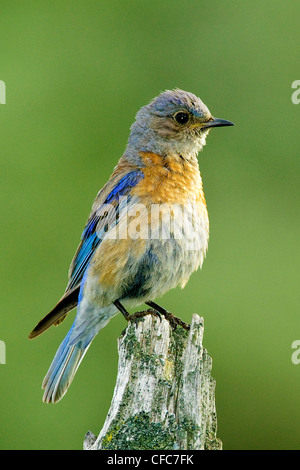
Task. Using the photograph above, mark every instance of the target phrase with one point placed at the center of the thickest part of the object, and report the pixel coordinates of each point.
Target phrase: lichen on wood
(164, 396)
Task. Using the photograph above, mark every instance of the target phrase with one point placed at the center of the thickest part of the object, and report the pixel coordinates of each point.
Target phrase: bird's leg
(174, 321)
(136, 315)
(122, 309)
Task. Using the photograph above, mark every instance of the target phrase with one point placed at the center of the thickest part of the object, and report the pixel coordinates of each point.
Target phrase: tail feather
(68, 301)
(63, 369)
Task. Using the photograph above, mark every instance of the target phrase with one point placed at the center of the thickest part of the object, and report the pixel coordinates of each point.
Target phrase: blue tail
(63, 369)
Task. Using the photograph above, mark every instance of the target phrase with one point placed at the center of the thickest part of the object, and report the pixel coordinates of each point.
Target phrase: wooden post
(164, 396)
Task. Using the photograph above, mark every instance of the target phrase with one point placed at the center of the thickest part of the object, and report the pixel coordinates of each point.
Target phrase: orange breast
(169, 180)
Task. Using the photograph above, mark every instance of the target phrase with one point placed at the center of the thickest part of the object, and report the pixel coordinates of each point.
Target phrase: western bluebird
(129, 253)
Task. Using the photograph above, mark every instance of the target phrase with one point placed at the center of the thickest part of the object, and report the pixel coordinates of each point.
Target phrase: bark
(164, 396)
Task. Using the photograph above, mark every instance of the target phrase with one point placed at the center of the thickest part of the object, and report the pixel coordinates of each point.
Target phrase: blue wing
(90, 240)
(97, 226)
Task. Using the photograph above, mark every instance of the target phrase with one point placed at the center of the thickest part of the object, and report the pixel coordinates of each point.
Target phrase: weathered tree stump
(164, 396)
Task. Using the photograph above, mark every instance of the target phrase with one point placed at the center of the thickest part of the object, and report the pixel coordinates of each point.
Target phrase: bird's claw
(175, 321)
(134, 317)
(172, 319)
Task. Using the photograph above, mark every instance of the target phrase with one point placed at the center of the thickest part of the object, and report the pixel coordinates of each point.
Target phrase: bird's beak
(216, 122)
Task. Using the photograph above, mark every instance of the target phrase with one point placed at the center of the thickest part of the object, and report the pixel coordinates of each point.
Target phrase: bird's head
(175, 122)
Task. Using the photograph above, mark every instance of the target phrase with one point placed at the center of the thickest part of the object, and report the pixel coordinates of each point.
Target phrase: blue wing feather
(95, 227)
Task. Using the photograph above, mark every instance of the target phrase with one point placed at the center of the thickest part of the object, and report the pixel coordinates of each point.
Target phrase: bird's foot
(134, 317)
(174, 321)
(154, 310)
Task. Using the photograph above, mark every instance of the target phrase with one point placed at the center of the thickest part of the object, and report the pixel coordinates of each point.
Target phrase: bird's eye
(181, 117)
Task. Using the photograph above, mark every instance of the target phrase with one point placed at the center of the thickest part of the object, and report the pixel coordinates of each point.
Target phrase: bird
(147, 231)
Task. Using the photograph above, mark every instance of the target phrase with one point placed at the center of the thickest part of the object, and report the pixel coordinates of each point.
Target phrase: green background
(76, 72)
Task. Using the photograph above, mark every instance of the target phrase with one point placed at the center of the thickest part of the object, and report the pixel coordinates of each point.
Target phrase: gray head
(174, 123)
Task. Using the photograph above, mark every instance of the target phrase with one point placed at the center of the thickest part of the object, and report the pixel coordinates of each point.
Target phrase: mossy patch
(139, 433)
